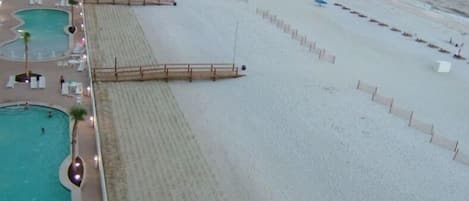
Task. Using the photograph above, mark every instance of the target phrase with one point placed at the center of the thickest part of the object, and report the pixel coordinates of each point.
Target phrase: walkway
(149, 151)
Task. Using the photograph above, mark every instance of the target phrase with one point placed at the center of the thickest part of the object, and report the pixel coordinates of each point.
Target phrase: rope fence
(409, 116)
(303, 40)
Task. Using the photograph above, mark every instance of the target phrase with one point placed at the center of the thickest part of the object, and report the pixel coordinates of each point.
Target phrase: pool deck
(91, 188)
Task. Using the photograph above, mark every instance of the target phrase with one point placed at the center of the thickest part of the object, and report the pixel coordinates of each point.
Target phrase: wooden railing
(166, 72)
(131, 2)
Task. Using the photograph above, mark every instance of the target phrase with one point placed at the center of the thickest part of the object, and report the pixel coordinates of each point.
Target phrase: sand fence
(408, 115)
(302, 39)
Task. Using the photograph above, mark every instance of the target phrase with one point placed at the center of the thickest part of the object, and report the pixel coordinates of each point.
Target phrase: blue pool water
(48, 38)
(30, 160)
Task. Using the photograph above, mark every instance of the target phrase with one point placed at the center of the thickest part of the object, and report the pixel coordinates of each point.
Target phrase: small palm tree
(26, 35)
(77, 113)
(72, 3)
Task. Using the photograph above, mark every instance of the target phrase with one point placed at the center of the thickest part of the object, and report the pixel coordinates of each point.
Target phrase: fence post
(358, 84)
(214, 74)
(94, 74)
(190, 76)
(455, 154)
(456, 147)
(390, 107)
(432, 130)
(141, 73)
(374, 94)
(166, 73)
(410, 119)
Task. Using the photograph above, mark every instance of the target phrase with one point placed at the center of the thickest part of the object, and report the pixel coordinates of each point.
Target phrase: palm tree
(77, 113)
(72, 3)
(26, 35)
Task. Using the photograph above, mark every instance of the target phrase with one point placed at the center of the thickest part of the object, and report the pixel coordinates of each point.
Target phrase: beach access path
(149, 151)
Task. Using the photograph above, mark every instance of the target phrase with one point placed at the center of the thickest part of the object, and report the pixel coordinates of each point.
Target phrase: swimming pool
(30, 160)
(48, 38)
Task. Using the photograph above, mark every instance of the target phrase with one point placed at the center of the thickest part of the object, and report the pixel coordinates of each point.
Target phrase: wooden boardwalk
(166, 72)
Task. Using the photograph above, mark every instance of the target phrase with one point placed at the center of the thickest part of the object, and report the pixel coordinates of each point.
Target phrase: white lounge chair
(65, 90)
(79, 99)
(11, 82)
(79, 89)
(32, 2)
(33, 82)
(42, 82)
(39, 2)
(81, 66)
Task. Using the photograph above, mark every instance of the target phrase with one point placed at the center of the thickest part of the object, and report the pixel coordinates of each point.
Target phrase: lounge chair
(65, 90)
(33, 82)
(11, 82)
(42, 82)
(32, 2)
(78, 49)
(39, 2)
(79, 89)
(79, 99)
(81, 66)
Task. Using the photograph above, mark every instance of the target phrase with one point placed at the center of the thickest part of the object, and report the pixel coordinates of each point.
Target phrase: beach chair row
(37, 84)
(405, 34)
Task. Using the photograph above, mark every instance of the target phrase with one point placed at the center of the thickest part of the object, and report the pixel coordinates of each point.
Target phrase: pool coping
(17, 35)
(75, 192)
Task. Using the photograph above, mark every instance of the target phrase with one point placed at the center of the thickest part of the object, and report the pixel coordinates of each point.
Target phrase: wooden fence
(409, 117)
(166, 72)
(131, 2)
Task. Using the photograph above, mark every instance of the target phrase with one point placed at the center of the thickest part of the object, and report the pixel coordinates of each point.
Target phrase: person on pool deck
(62, 80)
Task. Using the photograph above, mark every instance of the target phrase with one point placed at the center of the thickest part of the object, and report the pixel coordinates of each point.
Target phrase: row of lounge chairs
(32, 2)
(41, 83)
(34, 82)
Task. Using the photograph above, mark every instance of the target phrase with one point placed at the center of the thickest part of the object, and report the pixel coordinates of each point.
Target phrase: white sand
(295, 128)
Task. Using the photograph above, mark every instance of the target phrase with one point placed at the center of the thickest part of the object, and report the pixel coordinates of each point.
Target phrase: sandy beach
(295, 128)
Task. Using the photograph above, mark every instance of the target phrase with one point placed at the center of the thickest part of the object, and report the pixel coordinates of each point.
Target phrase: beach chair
(11, 82)
(42, 82)
(65, 91)
(79, 89)
(79, 99)
(81, 66)
(33, 82)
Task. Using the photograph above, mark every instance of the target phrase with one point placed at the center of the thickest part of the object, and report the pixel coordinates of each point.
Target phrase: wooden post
(455, 154)
(188, 67)
(432, 130)
(214, 74)
(167, 73)
(390, 108)
(233, 67)
(374, 94)
(141, 73)
(115, 68)
(190, 77)
(410, 119)
(236, 74)
(358, 84)
(456, 147)
(94, 74)
(431, 139)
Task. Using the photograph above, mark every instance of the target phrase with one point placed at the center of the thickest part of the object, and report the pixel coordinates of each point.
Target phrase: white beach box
(442, 66)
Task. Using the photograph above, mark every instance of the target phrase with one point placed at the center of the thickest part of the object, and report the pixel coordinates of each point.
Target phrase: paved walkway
(91, 190)
(149, 151)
